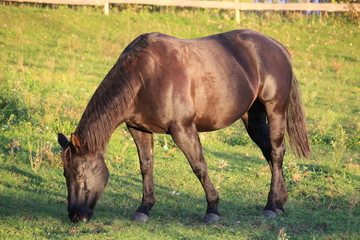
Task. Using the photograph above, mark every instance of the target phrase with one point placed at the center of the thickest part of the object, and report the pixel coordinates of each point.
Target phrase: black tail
(296, 122)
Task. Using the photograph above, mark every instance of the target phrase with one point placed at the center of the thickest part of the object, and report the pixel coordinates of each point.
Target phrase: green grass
(52, 60)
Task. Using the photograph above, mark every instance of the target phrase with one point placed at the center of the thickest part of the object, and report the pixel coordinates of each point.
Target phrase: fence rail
(327, 7)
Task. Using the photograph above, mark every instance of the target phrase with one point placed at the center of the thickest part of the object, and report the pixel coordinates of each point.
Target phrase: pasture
(51, 62)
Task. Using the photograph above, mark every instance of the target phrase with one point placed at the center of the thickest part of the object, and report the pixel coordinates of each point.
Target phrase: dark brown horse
(163, 84)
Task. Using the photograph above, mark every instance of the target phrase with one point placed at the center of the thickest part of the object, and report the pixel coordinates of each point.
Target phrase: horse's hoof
(140, 217)
(270, 214)
(211, 218)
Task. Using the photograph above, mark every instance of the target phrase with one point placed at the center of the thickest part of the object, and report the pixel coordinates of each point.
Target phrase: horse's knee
(200, 171)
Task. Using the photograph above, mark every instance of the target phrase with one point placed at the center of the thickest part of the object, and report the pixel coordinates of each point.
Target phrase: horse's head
(86, 177)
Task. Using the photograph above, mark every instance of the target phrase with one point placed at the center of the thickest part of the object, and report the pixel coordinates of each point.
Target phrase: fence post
(106, 8)
(237, 14)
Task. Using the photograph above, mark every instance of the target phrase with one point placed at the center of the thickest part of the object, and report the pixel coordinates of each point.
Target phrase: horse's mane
(106, 108)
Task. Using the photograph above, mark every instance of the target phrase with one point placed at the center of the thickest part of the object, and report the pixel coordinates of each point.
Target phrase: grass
(52, 60)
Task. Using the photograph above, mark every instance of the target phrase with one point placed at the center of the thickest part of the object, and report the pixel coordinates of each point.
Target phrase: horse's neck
(96, 126)
(106, 109)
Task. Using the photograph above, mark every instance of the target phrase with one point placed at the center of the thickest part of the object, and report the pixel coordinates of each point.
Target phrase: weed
(339, 146)
(282, 235)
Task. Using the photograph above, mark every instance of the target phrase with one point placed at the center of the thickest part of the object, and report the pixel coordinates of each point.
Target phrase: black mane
(111, 99)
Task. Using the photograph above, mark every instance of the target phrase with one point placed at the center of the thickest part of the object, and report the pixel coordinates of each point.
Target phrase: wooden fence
(328, 7)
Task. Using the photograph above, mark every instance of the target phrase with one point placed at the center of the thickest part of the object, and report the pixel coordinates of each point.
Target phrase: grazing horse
(166, 85)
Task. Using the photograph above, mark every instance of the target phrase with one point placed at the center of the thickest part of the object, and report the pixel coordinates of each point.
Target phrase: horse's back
(211, 81)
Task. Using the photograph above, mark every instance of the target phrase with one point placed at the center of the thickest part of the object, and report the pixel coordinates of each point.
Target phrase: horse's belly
(217, 117)
(221, 105)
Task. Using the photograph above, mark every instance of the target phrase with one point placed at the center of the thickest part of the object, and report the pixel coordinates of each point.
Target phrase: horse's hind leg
(257, 127)
(144, 144)
(270, 138)
(187, 139)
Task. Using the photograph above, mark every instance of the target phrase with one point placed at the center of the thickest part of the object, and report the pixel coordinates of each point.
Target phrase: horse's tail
(296, 122)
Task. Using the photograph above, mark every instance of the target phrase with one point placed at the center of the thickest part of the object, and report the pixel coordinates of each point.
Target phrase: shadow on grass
(27, 199)
(28, 195)
(301, 219)
(238, 161)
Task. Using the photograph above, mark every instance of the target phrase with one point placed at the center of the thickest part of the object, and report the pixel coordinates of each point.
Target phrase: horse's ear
(76, 141)
(63, 141)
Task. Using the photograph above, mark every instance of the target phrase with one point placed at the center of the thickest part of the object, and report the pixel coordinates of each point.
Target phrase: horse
(166, 85)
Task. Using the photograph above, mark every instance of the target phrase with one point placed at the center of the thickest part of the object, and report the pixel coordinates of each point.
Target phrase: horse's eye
(79, 177)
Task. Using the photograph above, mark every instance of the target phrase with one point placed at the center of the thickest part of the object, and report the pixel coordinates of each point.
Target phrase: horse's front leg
(188, 141)
(145, 146)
